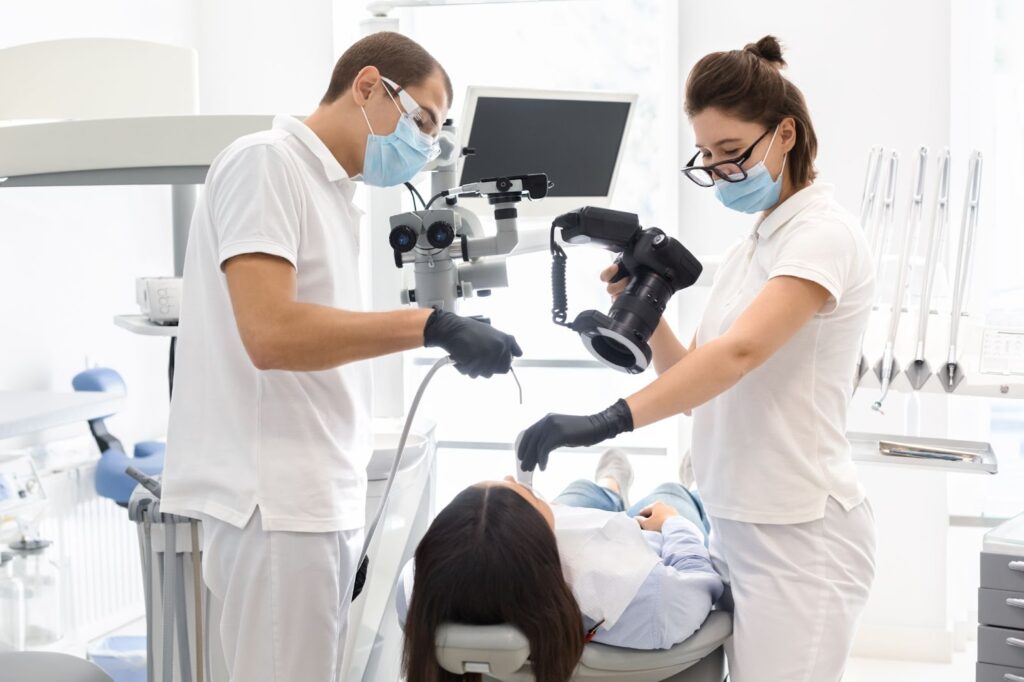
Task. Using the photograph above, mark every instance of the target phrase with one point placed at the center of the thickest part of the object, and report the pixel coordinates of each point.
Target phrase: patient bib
(605, 559)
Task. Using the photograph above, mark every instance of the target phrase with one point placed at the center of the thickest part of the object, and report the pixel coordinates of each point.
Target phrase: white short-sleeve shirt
(295, 444)
(773, 448)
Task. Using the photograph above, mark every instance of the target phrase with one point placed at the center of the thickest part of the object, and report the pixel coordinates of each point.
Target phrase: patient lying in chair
(587, 567)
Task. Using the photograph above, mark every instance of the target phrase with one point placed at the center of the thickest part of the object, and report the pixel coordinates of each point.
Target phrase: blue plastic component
(149, 448)
(121, 657)
(111, 479)
(113, 482)
(99, 379)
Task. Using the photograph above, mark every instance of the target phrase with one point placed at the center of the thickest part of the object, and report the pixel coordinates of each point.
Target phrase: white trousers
(798, 589)
(285, 598)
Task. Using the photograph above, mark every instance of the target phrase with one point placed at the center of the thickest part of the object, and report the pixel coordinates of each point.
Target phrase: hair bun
(768, 49)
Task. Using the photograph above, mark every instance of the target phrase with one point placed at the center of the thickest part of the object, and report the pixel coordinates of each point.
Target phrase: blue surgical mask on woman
(758, 192)
(395, 159)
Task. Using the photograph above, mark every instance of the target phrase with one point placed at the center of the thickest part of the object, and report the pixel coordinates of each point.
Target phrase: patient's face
(542, 507)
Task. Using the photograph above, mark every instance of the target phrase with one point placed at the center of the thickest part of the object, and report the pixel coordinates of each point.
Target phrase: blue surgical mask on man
(757, 192)
(395, 159)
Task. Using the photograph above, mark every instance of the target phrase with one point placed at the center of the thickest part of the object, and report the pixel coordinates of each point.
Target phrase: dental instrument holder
(919, 371)
(953, 374)
(658, 265)
(880, 225)
(887, 367)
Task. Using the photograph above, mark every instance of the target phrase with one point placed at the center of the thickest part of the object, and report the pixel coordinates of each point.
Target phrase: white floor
(880, 670)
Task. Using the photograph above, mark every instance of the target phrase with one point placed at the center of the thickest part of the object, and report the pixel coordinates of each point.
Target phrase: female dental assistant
(767, 377)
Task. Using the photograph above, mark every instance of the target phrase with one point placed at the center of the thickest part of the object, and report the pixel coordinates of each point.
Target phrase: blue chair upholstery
(111, 480)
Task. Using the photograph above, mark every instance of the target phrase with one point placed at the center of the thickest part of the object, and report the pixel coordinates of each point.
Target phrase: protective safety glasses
(424, 119)
(730, 170)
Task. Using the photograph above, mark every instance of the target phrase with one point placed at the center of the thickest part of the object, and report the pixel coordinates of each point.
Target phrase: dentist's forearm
(698, 377)
(302, 337)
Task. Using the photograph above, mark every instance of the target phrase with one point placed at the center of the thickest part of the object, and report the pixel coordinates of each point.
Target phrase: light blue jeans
(592, 496)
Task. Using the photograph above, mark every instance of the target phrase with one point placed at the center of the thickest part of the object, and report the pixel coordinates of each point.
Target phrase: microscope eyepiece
(440, 234)
(402, 238)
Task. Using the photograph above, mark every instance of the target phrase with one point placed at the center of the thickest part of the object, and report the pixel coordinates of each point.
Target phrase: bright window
(557, 46)
(988, 100)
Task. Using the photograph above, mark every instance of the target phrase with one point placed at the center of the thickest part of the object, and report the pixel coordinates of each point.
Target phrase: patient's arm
(676, 597)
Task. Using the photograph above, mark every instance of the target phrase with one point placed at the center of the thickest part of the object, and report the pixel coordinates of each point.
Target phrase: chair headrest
(99, 379)
(495, 649)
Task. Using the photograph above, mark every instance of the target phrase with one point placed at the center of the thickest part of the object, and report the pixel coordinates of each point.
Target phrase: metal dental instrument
(874, 174)
(522, 476)
(952, 374)
(868, 223)
(879, 235)
(887, 368)
(918, 372)
(512, 371)
(896, 449)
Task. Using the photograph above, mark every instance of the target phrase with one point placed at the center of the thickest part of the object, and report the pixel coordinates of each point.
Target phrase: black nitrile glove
(562, 430)
(476, 348)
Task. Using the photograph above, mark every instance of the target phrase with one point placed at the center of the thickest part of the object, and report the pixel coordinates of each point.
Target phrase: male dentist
(270, 421)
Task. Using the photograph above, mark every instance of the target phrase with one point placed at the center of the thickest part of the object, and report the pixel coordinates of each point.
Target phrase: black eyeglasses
(730, 170)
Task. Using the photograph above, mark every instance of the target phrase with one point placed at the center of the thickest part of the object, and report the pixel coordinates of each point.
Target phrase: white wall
(69, 256)
(873, 72)
(263, 55)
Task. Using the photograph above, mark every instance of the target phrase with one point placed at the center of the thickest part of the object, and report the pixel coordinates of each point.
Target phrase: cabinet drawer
(1002, 572)
(1001, 608)
(1001, 646)
(986, 672)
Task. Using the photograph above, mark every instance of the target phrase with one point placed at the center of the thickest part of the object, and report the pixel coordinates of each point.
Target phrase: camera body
(658, 265)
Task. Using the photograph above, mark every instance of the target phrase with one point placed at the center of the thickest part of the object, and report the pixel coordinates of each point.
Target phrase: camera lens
(440, 234)
(402, 238)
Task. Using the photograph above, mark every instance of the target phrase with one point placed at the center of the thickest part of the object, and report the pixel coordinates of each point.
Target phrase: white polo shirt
(773, 448)
(295, 444)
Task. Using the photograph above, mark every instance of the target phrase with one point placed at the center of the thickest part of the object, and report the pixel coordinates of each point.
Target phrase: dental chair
(148, 456)
(501, 652)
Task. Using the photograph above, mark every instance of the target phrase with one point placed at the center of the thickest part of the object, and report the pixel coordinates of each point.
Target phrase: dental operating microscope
(451, 256)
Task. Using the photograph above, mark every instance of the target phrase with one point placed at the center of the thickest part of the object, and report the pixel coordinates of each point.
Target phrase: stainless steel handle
(936, 233)
(1015, 602)
(1010, 677)
(907, 243)
(886, 213)
(867, 200)
(1015, 642)
(1016, 566)
(969, 224)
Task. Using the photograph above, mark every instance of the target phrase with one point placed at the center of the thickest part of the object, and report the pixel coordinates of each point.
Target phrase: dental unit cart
(1001, 604)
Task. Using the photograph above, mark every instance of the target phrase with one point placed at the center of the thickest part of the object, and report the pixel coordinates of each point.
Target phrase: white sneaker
(614, 464)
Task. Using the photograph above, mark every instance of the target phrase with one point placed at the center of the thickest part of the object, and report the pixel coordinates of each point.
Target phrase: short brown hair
(397, 57)
(748, 84)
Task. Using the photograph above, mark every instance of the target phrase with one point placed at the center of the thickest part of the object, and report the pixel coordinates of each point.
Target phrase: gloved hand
(562, 430)
(477, 349)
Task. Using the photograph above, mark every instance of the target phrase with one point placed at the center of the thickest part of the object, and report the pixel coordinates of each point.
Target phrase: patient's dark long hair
(489, 557)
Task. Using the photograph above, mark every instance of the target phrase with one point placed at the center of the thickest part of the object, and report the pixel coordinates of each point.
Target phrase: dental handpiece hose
(396, 465)
(400, 451)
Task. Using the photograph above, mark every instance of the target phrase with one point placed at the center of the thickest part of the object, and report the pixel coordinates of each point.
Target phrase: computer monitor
(577, 138)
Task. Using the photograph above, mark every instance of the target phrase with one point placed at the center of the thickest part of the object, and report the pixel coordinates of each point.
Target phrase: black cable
(170, 366)
(415, 195)
(559, 295)
(435, 198)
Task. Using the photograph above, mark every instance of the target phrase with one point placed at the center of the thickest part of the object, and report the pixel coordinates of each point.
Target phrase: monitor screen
(576, 142)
